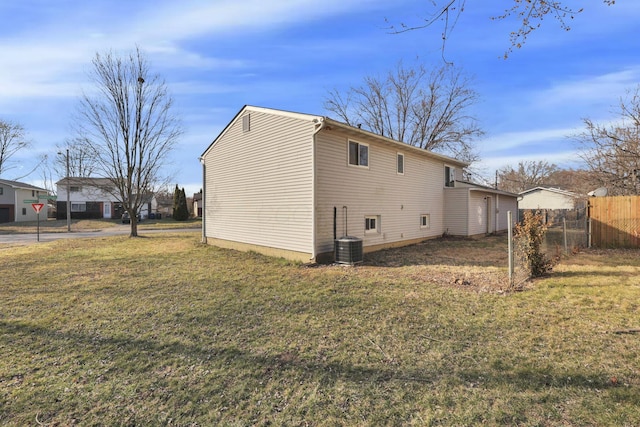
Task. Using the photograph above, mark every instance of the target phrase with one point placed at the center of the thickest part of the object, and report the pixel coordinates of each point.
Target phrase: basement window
(372, 224)
(425, 221)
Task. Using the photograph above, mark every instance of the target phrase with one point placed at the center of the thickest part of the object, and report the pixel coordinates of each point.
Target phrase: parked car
(127, 220)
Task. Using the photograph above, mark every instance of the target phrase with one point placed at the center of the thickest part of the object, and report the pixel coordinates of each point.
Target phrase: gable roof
(323, 122)
(96, 182)
(552, 190)
(473, 186)
(21, 185)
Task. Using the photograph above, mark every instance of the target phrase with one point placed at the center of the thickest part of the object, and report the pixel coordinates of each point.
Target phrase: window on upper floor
(75, 189)
(400, 164)
(449, 176)
(1, 191)
(358, 154)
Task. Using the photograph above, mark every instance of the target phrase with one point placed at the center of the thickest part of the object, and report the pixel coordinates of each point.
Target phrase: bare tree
(128, 127)
(528, 174)
(12, 140)
(529, 15)
(82, 163)
(412, 105)
(612, 151)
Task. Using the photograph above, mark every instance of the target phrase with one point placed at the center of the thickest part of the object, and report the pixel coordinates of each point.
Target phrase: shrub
(529, 237)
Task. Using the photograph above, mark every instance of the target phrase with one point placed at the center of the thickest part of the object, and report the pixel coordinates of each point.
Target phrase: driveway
(32, 238)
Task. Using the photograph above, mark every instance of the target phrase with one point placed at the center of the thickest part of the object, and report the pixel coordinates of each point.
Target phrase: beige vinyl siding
(399, 200)
(259, 187)
(456, 221)
(543, 199)
(478, 215)
(505, 205)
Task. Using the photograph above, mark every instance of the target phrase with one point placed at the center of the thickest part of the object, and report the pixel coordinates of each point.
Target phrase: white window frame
(398, 157)
(425, 221)
(359, 158)
(449, 176)
(78, 207)
(75, 189)
(367, 224)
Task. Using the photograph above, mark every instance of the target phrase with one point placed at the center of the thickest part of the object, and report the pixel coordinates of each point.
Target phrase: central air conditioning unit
(347, 249)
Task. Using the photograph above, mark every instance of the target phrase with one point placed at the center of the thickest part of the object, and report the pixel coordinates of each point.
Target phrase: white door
(107, 210)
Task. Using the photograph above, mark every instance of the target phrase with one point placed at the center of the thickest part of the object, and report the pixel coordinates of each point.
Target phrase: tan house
(289, 184)
(16, 199)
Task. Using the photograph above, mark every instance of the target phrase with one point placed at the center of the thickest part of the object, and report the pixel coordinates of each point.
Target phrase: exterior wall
(481, 213)
(543, 199)
(506, 204)
(259, 184)
(100, 204)
(456, 222)
(24, 211)
(397, 200)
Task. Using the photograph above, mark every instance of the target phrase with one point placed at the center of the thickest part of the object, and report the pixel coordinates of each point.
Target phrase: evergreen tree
(180, 209)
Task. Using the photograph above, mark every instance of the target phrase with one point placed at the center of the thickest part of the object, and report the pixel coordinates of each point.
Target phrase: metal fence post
(510, 245)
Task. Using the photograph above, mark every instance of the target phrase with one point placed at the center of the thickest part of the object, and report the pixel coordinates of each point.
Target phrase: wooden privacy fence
(615, 221)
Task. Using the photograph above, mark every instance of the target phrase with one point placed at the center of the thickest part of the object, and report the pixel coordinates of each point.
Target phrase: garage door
(5, 215)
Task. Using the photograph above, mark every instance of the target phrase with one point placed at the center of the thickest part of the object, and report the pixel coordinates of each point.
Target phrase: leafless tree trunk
(412, 105)
(612, 151)
(528, 14)
(12, 140)
(128, 127)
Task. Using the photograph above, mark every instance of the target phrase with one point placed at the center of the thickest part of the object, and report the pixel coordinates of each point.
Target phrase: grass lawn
(163, 330)
(60, 225)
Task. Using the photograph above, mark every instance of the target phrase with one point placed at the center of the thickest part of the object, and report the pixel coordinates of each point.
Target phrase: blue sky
(218, 55)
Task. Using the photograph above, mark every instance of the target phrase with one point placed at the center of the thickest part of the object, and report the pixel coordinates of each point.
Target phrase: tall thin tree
(128, 126)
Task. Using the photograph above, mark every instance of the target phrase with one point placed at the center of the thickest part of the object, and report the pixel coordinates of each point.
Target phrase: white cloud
(513, 140)
(602, 88)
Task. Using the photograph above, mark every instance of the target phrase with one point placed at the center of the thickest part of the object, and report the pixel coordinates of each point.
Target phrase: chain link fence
(567, 233)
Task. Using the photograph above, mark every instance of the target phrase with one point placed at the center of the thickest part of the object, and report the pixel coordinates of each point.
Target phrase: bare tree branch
(127, 128)
(412, 105)
(12, 140)
(529, 14)
(612, 151)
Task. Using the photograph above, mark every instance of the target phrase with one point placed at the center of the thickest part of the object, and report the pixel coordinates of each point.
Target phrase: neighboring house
(288, 184)
(16, 199)
(550, 198)
(93, 198)
(197, 205)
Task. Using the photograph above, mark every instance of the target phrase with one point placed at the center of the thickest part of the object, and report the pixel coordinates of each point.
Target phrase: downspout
(204, 197)
(319, 123)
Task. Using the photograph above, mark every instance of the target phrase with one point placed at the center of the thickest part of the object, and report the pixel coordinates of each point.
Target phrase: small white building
(288, 184)
(16, 199)
(547, 198)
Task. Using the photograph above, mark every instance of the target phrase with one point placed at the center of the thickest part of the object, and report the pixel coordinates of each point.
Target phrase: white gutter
(320, 124)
